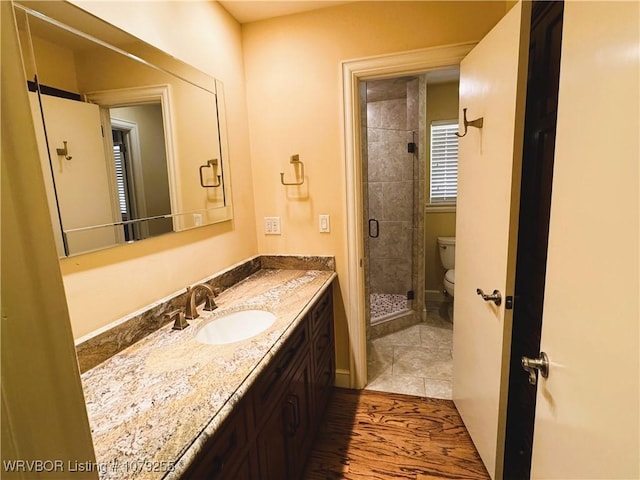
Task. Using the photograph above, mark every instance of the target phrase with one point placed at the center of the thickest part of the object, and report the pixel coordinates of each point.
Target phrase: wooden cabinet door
(226, 455)
(271, 446)
(298, 417)
(284, 441)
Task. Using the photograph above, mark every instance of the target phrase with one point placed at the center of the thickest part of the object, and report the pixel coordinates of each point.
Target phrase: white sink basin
(234, 326)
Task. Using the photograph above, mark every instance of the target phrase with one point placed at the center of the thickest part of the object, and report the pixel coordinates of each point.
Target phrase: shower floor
(384, 305)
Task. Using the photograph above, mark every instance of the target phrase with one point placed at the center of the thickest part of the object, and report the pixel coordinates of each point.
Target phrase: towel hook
(64, 151)
(295, 160)
(477, 123)
(213, 164)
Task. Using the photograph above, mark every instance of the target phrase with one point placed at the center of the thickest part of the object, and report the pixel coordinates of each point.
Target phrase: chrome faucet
(190, 310)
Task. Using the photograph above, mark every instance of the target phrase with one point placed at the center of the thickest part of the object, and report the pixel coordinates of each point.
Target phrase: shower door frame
(414, 309)
(414, 62)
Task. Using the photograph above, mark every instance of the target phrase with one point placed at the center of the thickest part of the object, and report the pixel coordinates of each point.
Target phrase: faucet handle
(210, 304)
(179, 321)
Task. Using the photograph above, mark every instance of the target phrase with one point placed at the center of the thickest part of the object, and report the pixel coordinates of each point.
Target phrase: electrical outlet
(272, 225)
(325, 226)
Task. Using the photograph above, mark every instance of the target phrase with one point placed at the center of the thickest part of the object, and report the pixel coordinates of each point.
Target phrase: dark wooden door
(533, 230)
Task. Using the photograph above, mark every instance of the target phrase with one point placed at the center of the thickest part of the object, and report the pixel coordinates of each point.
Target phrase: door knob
(530, 365)
(494, 297)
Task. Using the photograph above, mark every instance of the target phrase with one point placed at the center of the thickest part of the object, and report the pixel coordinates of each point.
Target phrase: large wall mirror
(132, 141)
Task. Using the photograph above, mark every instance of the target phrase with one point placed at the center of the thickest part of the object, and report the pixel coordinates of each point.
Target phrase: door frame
(133, 144)
(139, 202)
(149, 94)
(353, 71)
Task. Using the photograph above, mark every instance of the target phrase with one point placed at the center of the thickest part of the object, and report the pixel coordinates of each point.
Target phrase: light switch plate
(325, 226)
(272, 225)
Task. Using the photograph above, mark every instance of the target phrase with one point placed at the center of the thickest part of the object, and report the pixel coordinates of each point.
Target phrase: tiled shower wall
(391, 173)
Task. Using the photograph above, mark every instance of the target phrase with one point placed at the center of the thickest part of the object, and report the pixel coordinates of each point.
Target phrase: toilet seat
(449, 281)
(450, 276)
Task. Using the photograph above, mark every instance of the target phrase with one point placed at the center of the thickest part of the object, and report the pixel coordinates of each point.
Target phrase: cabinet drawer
(225, 452)
(323, 307)
(273, 381)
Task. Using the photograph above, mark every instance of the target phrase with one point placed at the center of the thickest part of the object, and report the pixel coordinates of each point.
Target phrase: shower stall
(393, 220)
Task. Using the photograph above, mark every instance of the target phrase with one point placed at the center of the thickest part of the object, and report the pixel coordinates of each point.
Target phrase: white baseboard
(434, 296)
(343, 378)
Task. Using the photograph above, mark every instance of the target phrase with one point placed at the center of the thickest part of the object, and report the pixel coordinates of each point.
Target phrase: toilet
(447, 247)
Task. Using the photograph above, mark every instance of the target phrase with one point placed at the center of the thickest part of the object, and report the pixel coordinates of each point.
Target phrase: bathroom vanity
(169, 406)
(270, 432)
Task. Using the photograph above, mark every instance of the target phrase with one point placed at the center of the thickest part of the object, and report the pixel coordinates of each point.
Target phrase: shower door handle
(373, 221)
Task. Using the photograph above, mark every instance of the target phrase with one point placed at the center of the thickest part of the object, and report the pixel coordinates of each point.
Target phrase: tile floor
(416, 360)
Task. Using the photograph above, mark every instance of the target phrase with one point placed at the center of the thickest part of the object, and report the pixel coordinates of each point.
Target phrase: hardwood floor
(378, 436)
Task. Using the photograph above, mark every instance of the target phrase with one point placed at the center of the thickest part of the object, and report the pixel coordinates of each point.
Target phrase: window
(121, 172)
(443, 180)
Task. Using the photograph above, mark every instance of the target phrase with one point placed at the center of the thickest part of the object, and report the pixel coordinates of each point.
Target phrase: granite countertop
(153, 406)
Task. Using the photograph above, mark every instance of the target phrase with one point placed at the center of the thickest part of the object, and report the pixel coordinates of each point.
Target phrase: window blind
(120, 178)
(443, 185)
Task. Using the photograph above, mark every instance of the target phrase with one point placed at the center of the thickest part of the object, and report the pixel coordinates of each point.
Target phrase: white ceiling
(246, 11)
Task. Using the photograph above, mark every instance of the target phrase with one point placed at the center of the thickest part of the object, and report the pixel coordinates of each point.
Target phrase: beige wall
(104, 286)
(294, 93)
(442, 104)
(56, 66)
(43, 410)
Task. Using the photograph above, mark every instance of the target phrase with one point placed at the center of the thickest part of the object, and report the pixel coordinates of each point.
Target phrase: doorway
(408, 324)
(353, 72)
(141, 181)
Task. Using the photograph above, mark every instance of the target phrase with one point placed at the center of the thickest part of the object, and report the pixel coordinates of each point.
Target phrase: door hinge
(410, 295)
(411, 147)
(508, 302)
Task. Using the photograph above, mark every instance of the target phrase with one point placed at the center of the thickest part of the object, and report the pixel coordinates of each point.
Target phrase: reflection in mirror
(129, 150)
(140, 165)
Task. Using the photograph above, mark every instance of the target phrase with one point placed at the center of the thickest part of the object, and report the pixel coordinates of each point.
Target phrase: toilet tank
(447, 248)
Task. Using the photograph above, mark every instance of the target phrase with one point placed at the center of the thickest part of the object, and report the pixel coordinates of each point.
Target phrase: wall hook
(213, 164)
(295, 160)
(477, 123)
(64, 151)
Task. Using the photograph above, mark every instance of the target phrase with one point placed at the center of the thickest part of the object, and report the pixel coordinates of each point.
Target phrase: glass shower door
(390, 165)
